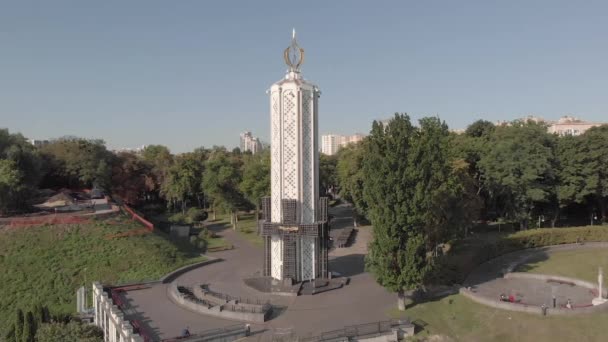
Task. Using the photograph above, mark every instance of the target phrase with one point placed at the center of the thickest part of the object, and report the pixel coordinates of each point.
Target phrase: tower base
(288, 288)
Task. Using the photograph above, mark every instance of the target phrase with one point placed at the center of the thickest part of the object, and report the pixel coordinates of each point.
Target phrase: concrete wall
(180, 232)
(169, 277)
(216, 311)
(111, 319)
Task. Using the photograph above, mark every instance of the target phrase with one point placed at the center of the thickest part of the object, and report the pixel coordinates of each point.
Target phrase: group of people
(511, 299)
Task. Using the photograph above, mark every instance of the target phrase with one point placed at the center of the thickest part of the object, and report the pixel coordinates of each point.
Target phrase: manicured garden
(46, 264)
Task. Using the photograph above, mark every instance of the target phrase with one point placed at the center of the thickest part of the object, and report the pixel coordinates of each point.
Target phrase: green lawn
(581, 264)
(46, 264)
(217, 242)
(246, 227)
(464, 320)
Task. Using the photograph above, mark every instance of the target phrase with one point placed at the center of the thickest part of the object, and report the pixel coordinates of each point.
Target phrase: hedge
(469, 253)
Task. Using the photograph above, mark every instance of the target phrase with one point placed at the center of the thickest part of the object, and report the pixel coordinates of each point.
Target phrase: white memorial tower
(295, 218)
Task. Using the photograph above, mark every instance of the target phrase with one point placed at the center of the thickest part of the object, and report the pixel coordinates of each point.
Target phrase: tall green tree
(76, 162)
(221, 182)
(183, 180)
(519, 170)
(328, 178)
(159, 159)
(11, 184)
(130, 178)
(29, 328)
(19, 322)
(69, 332)
(350, 176)
(405, 171)
(256, 178)
(594, 148)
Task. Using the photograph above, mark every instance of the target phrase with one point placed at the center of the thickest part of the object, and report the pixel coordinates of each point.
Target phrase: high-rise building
(294, 229)
(331, 143)
(250, 143)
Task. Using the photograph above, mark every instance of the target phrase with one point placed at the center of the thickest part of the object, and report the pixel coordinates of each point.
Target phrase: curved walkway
(362, 301)
(493, 278)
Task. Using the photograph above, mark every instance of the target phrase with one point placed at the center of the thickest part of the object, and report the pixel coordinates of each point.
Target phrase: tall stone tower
(294, 225)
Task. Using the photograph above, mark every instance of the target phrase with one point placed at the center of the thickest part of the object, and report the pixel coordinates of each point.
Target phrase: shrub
(198, 242)
(196, 215)
(179, 218)
(205, 234)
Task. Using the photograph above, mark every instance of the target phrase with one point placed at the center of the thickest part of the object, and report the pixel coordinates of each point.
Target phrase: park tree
(328, 178)
(29, 328)
(256, 178)
(159, 159)
(594, 149)
(20, 173)
(129, 175)
(221, 182)
(519, 170)
(350, 178)
(405, 170)
(11, 185)
(183, 181)
(470, 147)
(571, 162)
(76, 162)
(479, 129)
(18, 325)
(69, 332)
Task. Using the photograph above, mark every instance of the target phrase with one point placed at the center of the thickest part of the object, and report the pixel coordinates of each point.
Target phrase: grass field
(581, 264)
(246, 227)
(464, 320)
(217, 242)
(47, 264)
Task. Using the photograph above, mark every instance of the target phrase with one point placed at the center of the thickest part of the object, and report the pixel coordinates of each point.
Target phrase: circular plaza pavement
(361, 301)
(499, 277)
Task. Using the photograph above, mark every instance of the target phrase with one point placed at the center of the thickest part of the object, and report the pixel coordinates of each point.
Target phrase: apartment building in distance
(331, 143)
(250, 143)
(566, 125)
(39, 143)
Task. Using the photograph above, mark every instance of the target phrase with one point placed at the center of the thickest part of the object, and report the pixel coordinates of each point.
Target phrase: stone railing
(110, 318)
(186, 298)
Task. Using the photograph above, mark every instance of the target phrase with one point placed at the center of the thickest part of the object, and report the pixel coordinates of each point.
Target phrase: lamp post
(541, 218)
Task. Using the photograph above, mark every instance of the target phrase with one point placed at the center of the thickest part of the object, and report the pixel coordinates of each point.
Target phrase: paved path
(362, 301)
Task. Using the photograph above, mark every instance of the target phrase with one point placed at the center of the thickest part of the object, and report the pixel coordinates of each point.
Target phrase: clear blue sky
(194, 73)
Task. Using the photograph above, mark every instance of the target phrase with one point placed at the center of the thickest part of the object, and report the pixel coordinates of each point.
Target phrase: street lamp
(541, 218)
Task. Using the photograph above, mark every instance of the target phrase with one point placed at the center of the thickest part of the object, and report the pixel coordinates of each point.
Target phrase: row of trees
(421, 186)
(215, 178)
(39, 325)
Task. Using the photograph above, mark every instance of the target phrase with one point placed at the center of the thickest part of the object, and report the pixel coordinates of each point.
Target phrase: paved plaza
(488, 281)
(362, 301)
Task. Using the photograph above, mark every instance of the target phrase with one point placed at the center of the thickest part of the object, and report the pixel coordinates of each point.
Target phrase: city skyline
(125, 79)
